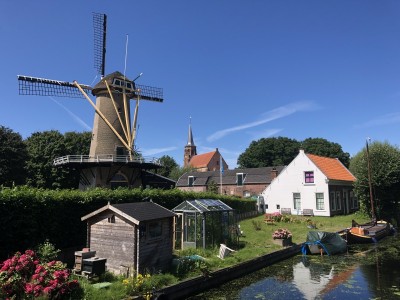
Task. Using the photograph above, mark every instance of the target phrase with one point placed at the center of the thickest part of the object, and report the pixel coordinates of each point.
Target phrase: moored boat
(370, 232)
(321, 242)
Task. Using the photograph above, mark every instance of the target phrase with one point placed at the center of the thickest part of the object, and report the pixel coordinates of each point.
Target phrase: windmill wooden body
(112, 160)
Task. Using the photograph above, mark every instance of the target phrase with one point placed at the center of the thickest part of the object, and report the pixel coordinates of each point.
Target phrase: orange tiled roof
(201, 160)
(332, 168)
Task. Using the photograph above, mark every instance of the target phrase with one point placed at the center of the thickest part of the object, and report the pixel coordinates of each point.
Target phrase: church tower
(190, 148)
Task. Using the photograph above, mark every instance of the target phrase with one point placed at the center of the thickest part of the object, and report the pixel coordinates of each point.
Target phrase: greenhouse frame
(204, 223)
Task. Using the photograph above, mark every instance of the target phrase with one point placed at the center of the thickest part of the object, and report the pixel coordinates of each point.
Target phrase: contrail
(271, 115)
(74, 116)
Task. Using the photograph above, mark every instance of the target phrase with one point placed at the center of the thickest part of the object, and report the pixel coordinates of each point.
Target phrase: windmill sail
(28, 85)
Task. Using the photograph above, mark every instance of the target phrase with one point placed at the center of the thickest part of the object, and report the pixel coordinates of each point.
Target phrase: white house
(312, 185)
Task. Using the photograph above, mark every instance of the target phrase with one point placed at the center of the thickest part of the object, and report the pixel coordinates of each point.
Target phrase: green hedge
(29, 216)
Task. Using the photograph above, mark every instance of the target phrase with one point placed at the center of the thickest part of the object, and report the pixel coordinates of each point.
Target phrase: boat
(370, 232)
(321, 242)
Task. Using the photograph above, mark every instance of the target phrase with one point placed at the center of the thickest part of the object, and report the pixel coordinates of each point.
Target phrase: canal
(364, 272)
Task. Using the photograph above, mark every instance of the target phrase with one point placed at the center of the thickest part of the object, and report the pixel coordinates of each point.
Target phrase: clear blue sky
(242, 70)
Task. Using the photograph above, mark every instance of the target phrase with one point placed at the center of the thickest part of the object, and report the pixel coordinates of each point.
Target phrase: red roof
(201, 160)
(332, 168)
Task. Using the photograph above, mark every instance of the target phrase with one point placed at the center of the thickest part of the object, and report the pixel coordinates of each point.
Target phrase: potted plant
(282, 237)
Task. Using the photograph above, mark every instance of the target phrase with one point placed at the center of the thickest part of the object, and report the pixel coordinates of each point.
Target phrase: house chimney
(274, 173)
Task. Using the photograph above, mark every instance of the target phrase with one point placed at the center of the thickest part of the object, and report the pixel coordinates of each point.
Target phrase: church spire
(190, 136)
(190, 148)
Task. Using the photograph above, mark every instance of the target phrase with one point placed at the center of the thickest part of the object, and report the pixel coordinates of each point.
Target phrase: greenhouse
(204, 223)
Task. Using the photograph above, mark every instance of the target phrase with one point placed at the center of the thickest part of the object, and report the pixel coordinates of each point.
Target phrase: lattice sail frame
(28, 85)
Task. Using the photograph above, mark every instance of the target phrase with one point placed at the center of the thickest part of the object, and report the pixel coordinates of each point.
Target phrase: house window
(111, 219)
(155, 230)
(309, 177)
(190, 180)
(239, 179)
(320, 201)
(296, 201)
(278, 206)
(332, 201)
(338, 201)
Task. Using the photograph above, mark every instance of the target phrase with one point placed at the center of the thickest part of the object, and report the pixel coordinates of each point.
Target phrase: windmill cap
(111, 79)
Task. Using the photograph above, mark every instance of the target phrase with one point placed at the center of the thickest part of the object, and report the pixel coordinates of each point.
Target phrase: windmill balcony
(76, 159)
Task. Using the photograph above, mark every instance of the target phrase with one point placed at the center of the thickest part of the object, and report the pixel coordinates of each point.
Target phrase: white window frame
(241, 175)
(319, 205)
(191, 180)
(297, 201)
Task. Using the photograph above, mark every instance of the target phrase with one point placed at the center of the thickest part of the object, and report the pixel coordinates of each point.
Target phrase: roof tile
(332, 168)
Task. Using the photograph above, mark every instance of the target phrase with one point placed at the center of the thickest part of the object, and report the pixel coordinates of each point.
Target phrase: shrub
(24, 275)
(256, 224)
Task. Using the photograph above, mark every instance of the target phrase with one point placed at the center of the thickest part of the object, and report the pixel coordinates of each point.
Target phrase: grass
(257, 241)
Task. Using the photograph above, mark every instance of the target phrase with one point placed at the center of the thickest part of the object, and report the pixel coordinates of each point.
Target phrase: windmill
(112, 160)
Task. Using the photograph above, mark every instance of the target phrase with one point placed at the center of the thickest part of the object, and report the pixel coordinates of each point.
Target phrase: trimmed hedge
(29, 216)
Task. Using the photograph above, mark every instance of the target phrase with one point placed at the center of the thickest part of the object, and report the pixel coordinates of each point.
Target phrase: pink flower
(48, 289)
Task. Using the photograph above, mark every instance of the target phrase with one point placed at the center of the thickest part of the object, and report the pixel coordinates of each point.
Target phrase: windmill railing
(63, 160)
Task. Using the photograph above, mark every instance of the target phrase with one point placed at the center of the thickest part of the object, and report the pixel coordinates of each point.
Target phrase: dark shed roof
(136, 212)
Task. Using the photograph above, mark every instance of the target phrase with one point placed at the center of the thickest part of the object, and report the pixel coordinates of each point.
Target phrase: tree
(13, 155)
(168, 165)
(268, 152)
(385, 179)
(44, 147)
(322, 147)
(179, 171)
(212, 187)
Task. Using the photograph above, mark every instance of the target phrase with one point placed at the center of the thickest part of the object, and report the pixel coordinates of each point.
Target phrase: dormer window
(191, 180)
(239, 179)
(309, 177)
(124, 84)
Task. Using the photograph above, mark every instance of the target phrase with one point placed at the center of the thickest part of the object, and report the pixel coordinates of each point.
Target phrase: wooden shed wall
(156, 254)
(114, 241)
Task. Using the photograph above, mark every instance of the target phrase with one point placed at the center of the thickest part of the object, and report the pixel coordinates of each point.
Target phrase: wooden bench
(286, 211)
(269, 219)
(308, 212)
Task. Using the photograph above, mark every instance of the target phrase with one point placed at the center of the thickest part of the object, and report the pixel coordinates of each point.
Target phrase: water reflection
(364, 273)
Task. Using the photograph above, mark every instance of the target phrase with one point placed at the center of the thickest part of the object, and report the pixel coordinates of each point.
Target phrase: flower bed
(281, 233)
(24, 276)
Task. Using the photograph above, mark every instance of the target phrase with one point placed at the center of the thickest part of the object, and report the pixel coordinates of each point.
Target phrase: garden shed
(204, 223)
(133, 237)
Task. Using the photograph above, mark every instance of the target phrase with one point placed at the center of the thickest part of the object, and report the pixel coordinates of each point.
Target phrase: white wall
(291, 180)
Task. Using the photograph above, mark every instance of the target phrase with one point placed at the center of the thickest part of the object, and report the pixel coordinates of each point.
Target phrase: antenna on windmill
(126, 54)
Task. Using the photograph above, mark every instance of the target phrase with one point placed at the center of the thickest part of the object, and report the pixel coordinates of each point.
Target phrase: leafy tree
(385, 179)
(268, 152)
(322, 147)
(168, 165)
(179, 171)
(212, 187)
(43, 148)
(12, 157)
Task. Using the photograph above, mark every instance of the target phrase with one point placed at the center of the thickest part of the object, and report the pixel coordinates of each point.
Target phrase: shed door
(189, 230)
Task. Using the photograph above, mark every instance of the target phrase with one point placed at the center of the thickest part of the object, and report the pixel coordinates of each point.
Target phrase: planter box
(283, 242)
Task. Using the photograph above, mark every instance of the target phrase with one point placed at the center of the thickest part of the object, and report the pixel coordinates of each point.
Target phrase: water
(365, 272)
